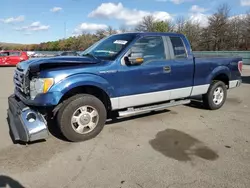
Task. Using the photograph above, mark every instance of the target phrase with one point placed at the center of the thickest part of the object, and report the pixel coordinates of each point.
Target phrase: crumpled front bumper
(26, 124)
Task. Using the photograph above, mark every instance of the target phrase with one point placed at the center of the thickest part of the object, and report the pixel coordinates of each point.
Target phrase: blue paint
(120, 80)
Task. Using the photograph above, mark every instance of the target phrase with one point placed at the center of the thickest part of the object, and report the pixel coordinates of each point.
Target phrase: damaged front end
(26, 124)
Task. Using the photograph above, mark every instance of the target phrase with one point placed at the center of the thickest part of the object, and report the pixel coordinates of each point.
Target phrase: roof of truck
(152, 33)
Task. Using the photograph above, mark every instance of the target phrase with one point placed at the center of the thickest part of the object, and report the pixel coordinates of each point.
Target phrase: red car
(11, 58)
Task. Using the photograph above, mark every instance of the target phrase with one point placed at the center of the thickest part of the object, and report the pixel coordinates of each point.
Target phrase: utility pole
(65, 30)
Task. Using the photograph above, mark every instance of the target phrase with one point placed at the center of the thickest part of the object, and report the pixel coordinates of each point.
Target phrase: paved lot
(186, 146)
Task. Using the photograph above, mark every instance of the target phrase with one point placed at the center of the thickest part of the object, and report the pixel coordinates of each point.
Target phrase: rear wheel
(81, 117)
(216, 95)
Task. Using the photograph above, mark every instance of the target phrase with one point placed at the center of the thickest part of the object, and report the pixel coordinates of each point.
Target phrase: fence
(244, 54)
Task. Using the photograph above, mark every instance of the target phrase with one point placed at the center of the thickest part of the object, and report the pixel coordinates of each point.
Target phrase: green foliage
(161, 26)
(221, 33)
(72, 43)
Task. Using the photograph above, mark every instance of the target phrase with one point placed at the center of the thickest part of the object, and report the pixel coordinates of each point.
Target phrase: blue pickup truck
(123, 74)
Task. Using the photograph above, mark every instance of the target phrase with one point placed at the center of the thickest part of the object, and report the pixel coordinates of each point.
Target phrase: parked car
(124, 74)
(12, 58)
(68, 53)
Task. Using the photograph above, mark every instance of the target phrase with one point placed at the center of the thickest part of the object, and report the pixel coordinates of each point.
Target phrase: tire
(79, 106)
(209, 99)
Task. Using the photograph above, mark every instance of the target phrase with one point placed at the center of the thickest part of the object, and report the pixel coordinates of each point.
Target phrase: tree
(205, 43)
(222, 33)
(218, 27)
(245, 32)
(146, 25)
(101, 33)
(161, 26)
(111, 31)
(179, 24)
(192, 30)
(123, 29)
(235, 30)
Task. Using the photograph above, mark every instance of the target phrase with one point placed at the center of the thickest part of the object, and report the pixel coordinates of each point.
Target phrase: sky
(33, 21)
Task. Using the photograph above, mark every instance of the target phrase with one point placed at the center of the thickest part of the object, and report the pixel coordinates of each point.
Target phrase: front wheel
(216, 95)
(81, 117)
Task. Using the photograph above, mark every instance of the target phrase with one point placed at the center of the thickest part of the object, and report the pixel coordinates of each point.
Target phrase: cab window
(178, 47)
(149, 48)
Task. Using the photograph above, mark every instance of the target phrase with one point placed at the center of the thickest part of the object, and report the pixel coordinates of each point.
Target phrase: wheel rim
(218, 95)
(84, 119)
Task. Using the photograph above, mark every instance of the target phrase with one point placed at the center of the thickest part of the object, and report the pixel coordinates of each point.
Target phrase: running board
(136, 111)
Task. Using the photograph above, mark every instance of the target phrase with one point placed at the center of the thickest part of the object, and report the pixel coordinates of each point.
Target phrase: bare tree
(123, 29)
(223, 32)
(191, 29)
(245, 32)
(193, 32)
(100, 33)
(179, 24)
(236, 25)
(111, 31)
(146, 25)
(218, 27)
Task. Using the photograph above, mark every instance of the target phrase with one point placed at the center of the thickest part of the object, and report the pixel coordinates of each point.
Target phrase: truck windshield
(110, 47)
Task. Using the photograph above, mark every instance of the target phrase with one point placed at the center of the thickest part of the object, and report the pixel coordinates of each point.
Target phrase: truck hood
(35, 65)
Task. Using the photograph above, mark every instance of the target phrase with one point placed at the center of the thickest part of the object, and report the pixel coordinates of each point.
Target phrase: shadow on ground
(196, 102)
(115, 119)
(181, 146)
(6, 181)
(246, 79)
(55, 131)
(28, 156)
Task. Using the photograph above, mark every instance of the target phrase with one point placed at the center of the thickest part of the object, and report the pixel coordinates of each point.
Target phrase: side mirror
(133, 60)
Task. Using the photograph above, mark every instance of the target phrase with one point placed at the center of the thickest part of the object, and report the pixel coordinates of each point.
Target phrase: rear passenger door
(182, 68)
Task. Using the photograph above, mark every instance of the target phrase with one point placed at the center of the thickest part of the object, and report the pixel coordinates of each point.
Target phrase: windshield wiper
(91, 55)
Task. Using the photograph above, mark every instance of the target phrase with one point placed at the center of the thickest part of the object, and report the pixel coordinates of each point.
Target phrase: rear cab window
(179, 49)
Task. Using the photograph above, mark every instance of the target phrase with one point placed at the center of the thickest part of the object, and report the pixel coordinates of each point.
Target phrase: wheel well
(92, 90)
(222, 77)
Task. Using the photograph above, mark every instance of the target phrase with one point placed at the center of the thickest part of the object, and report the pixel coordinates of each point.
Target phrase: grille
(19, 80)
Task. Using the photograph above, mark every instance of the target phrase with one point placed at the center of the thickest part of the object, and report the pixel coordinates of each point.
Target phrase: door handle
(167, 69)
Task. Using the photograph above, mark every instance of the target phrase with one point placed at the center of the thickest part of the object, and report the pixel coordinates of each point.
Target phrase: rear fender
(74, 81)
(217, 71)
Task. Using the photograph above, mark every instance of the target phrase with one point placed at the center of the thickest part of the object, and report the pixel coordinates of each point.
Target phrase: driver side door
(148, 82)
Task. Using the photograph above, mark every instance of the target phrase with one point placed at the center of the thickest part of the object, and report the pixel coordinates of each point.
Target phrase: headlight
(40, 85)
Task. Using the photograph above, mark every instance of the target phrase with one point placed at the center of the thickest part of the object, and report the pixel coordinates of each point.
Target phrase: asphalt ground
(182, 147)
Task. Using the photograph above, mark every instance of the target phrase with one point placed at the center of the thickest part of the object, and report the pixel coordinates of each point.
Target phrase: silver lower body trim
(137, 111)
(155, 97)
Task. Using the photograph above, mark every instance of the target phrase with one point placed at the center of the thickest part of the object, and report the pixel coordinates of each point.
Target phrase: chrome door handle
(167, 69)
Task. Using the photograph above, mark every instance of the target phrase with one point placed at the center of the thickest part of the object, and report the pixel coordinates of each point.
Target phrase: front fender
(217, 71)
(74, 81)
